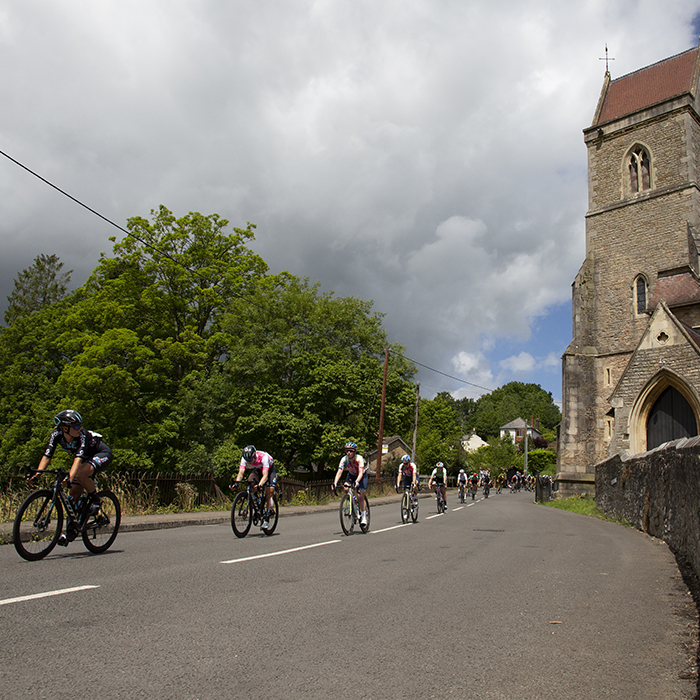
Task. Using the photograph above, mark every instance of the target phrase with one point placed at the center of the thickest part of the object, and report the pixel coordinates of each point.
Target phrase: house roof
(517, 423)
(678, 287)
(648, 86)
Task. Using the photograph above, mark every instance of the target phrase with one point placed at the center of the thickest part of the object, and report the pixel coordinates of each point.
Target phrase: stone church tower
(631, 375)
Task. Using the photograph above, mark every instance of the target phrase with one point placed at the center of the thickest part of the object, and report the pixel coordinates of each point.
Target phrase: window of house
(639, 170)
(641, 294)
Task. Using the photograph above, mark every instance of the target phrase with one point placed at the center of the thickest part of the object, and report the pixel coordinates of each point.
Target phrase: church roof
(648, 86)
(677, 288)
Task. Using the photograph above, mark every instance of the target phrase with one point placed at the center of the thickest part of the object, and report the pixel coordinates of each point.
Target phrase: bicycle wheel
(414, 509)
(405, 507)
(241, 514)
(101, 529)
(37, 525)
(274, 518)
(347, 521)
(365, 528)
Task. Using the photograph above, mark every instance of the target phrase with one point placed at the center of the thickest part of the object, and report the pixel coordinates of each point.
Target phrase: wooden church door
(671, 418)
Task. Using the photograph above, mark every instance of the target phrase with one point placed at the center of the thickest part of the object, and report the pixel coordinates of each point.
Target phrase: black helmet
(249, 453)
(69, 418)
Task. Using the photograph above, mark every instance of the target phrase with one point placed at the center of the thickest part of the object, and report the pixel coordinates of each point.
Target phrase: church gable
(667, 357)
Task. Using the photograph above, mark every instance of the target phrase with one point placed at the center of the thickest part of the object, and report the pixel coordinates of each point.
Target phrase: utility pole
(378, 472)
(415, 423)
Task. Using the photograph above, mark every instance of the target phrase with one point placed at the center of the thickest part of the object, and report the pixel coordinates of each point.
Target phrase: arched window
(640, 294)
(639, 170)
(670, 418)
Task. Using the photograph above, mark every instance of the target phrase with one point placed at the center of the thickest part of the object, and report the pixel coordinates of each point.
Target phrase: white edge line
(386, 529)
(34, 596)
(274, 554)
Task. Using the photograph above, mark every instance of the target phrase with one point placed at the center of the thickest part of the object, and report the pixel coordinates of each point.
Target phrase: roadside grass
(584, 505)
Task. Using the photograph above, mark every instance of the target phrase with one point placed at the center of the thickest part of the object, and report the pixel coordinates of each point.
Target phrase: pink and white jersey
(262, 461)
(354, 466)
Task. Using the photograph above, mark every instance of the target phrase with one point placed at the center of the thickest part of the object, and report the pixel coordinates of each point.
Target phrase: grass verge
(585, 505)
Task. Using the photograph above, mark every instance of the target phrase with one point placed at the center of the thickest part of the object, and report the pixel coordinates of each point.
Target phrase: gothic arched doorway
(671, 417)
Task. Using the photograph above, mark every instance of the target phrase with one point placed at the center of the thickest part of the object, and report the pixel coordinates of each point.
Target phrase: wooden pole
(415, 423)
(378, 472)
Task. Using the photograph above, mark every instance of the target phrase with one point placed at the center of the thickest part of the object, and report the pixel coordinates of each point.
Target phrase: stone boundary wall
(657, 492)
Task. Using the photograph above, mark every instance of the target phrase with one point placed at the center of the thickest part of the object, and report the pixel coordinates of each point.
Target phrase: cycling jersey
(439, 477)
(86, 445)
(353, 465)
(407, 469)
(262, 461)
(462, 478)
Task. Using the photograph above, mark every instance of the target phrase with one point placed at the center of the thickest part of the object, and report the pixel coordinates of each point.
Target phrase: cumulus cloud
(426, 154)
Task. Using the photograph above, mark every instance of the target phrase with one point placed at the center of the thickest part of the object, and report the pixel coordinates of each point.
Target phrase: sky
(424, 154)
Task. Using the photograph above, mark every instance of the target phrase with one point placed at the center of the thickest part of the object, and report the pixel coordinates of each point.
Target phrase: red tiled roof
(676, 290)
(647, 86)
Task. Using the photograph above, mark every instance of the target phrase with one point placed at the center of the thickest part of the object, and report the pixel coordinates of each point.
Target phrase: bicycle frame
(350, 511)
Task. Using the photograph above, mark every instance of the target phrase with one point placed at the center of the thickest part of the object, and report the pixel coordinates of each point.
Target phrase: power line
(444, 374)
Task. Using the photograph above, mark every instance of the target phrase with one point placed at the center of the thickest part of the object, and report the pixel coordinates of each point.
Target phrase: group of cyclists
(91, 454)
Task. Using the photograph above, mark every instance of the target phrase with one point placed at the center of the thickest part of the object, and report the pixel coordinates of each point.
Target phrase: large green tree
(511, 401)
(180, 349)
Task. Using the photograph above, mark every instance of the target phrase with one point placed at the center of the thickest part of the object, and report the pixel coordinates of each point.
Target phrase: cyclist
(90, 455)
(408, 473)
(462, 481)
(355, 465)
(439, 478)
(263, 475)
(500, 479)
(474, 482)
(486, 482)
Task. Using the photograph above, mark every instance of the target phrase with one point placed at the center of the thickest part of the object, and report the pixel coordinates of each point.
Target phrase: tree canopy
(181, 348)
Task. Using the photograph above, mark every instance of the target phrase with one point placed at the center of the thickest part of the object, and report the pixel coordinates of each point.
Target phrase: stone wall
(657, 492)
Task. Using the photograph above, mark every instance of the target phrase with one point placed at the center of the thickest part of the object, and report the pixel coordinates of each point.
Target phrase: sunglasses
(66, 428)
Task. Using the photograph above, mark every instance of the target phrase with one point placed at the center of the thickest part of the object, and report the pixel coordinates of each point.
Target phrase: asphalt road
(502, 599)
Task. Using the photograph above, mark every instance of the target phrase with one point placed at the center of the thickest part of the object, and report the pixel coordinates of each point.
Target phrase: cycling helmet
(68, 418)
(439, 465)
(405, 458)
(351, 446)
(461, 471)
(249, 453)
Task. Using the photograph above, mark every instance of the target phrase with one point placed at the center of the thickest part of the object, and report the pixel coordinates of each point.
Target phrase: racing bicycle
(462, 493)
(409, 505)
(350, 512)
(249, 508)
(39, 520)
(441, 503)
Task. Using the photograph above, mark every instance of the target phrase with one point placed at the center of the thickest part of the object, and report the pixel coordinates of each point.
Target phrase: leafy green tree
(39, 285)
(439, 432)
(305, 370)
(514, 400)
(146, 344)
(543, 461)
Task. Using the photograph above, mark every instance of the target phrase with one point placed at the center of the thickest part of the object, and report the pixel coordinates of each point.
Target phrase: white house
(516, 430)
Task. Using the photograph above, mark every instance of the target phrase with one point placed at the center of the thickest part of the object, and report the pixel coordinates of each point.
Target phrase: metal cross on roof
(606, 59)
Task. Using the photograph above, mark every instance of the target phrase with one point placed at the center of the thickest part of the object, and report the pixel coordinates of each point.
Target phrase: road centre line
(454, 510)
(35, 596)
(274, 554)
(386, 529)
(437, 515)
